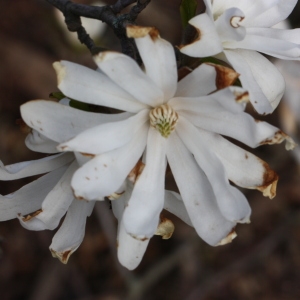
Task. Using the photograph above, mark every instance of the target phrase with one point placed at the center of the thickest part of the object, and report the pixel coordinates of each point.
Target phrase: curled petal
(55, 204)
(207, 42)
(34, 167)
(30, 197)
(71, 233)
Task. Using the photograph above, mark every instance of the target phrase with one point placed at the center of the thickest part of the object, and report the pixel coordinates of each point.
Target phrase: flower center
(163, 118)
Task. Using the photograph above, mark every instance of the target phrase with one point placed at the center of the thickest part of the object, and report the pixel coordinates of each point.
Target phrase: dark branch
(110, 14)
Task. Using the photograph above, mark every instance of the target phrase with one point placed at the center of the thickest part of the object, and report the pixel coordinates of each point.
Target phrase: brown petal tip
(270, 179)
(133, 31)
(115, 196)
(224, 76)
(30, 216)
(278, 138)
(62, 256)
(228, 239)
(165, 228)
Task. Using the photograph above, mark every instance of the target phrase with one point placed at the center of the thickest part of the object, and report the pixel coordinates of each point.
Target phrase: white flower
(235, 30)
(176, 123)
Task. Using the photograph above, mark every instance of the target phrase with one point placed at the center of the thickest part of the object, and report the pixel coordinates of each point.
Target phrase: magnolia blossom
(234, 30)
(165, 122)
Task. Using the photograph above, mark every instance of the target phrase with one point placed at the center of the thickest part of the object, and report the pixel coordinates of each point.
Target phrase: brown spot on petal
(88, 154)
(228, 239)
(270, 179)
(30, 216)
(133, 31)
(138, 238)
(235, 20)
(242, 97)
(225, 76)
(62, 256)
(136, 172)
(246, 156)
(87, 178)
(165, 228)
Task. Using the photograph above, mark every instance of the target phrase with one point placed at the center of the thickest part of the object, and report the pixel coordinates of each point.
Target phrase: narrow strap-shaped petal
(106, 137)
(130, 249)
(175, 205)
(219, 101)
(141, 216)
(232, 203)
(197, 194)
(89, 86)
(29, 198)
(104, 174)
(158, 57)
(71, 233)
(61, 123)
(242, 167)
(259, 77)
(55, 204)
(126, 73)
(37, 142)
(200, 82)
(208, 42)
(241, 127)
(34, 167)
(274, 42)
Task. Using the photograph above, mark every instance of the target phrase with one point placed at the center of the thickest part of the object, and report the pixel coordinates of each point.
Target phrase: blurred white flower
(93, 27)
(234, 30)
(165, 122)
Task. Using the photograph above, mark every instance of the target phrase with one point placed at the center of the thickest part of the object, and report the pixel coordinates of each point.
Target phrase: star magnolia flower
(176, 123)
(235, 30)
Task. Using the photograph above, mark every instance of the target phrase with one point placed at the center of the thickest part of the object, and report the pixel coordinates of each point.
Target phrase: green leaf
(57, 95)
(79, 105)
(187, 11)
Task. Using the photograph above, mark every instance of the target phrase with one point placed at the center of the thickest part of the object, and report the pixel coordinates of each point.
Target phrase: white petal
(232, 203)
(29, 198)
(242, 167)
(197, 194)
(125, 72)
(208, 42)
(34, 167)
(219, 101)
(200, 82)
(241, 127)
(228, 25)
(37, 142)
(130, 250)
(105, 173)
(274, 42)
(55, 204)
(141, 216)
(89, 86)
(174, 204)
(59, 122)
(158, 57)
(260, 77)
(71, 233)
(274, 12)
(106, 137)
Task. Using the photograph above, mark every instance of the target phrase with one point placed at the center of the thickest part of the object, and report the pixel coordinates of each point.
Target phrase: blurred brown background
(263, 262)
